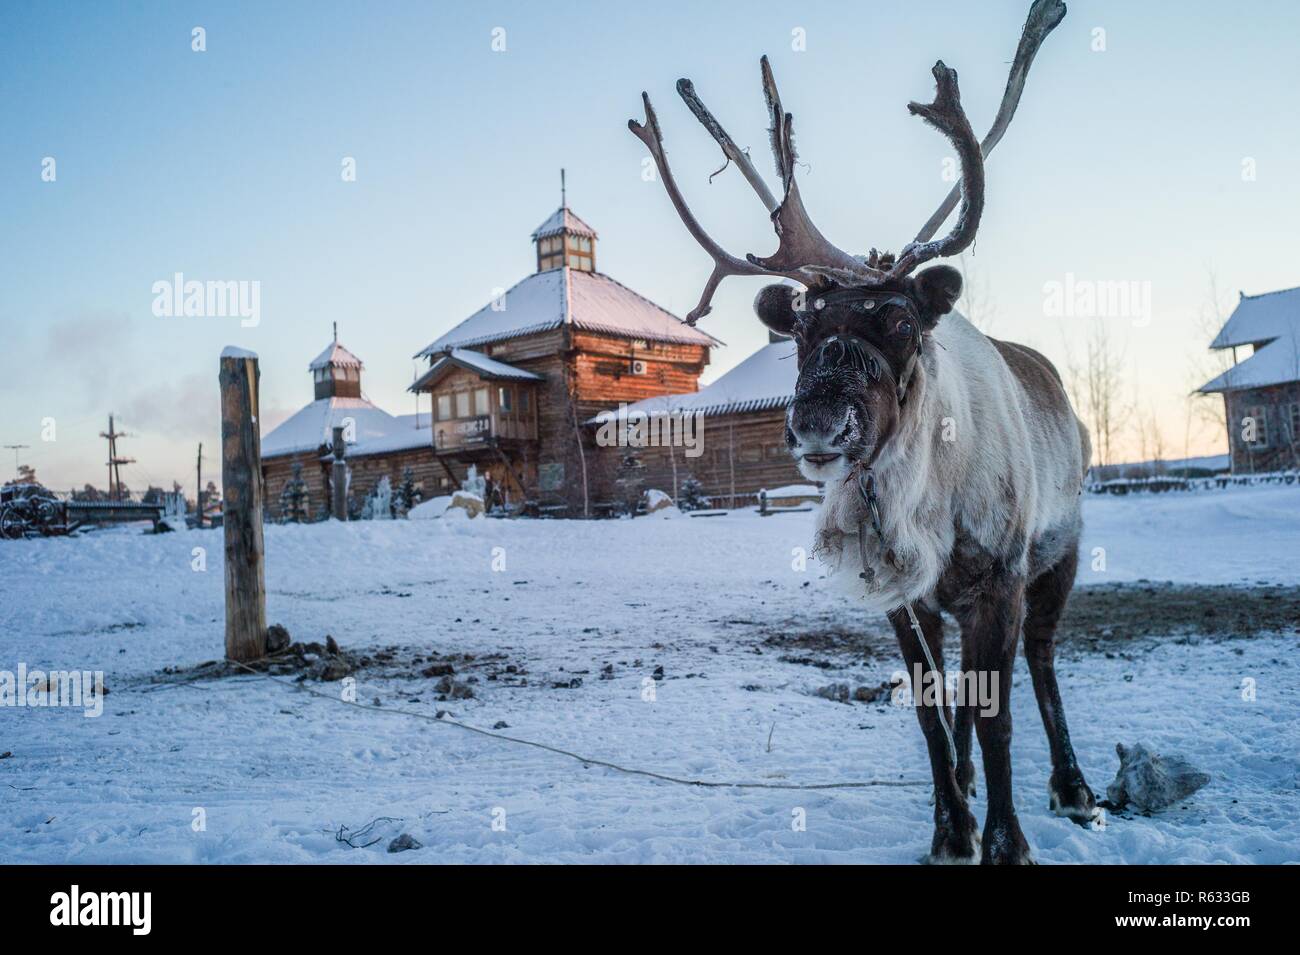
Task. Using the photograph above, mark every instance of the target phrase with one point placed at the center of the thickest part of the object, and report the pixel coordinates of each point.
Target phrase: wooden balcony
(482, 431)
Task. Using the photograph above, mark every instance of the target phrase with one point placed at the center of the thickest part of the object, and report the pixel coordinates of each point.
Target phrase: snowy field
(718, 603)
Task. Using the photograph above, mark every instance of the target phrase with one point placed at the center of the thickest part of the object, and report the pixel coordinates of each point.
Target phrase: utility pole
(198, 486)
(114, 462)
(15, 448)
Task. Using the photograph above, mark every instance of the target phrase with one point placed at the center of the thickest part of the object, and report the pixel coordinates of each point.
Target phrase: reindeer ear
(774, 306)
(937, 290)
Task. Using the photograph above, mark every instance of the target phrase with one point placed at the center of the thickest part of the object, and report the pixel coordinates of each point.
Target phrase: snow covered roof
(336, 355)
(563, 220)
(765, 379)
(1259, 318)
(588, 300)
(314, 425)
(408, 433)
(1276, 363)
(476, 362)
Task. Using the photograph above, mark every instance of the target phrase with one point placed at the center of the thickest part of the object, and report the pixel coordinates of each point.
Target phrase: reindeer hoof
(1004, 844)
(1071, 797)
(954, 846)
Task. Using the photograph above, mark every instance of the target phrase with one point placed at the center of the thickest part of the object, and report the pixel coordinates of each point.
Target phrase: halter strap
(869, 302)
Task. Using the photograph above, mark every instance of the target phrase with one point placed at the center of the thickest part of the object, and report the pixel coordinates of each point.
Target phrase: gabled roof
(409, 431)
(312, 426)
(764, 380)
(336, 355)
(1260, 318)
(1276, 363)
(588, 300)
(563, 220)
(478, 363)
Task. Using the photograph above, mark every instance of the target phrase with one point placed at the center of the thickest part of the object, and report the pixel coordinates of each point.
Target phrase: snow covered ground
(720, 603)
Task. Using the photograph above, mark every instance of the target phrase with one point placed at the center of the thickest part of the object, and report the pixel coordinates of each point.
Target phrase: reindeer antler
(724, 263)
(1044, 16)
(802, 246)
(803, 253)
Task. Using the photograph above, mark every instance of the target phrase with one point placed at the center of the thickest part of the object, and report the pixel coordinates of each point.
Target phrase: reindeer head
(862, 322)
(858, 350)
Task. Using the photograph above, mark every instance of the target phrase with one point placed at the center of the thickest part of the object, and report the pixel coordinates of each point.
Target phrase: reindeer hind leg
(1045, 600)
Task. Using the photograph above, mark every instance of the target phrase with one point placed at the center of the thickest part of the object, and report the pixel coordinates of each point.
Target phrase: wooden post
(339, 476)
(241, 481)
(198, 493)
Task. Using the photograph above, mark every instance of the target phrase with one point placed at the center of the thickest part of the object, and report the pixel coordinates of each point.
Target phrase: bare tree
(1094, 388)
(1151, 441)
(1207, 364)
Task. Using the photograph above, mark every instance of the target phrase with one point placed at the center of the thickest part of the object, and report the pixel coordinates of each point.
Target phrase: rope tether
(650, 774)
(867, 488)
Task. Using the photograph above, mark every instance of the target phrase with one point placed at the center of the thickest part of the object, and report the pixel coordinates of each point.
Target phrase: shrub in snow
(407, 495)
(1151, 782)
(293, 499)
(690, 497)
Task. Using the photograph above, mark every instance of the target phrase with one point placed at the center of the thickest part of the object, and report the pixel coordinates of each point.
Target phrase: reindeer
(952, 462)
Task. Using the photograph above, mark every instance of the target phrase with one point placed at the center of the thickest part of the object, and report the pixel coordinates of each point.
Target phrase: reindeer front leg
(955, 831)
(990, 628)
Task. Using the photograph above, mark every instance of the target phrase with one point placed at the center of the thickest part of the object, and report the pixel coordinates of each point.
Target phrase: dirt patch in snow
(448, 675)
(1098, 619)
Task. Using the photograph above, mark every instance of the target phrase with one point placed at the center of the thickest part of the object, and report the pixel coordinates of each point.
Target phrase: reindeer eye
(904, 328)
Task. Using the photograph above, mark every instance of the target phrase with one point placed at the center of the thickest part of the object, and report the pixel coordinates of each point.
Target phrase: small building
(740, 437)
(510, 385)
(378, 444)
(1261, 393)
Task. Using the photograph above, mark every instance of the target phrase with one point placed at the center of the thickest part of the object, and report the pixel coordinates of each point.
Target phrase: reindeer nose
(816, 435)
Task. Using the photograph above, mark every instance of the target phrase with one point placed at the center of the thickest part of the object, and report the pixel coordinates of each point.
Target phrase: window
(481, 405)
(1295, 422)
(503, 399)
(462, 404)
(524, 400)
(1254, 427)
(444, 407)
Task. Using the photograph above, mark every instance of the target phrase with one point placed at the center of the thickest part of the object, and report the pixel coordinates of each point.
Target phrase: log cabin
(739, 430)
(1261, 393)
(378, 443)
(511, 386)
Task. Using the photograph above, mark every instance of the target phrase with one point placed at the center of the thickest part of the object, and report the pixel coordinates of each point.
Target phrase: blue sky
(1123, 164)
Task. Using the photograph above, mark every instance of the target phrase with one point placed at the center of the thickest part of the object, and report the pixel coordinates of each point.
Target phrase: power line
(114, 462)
